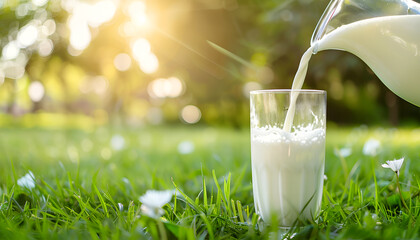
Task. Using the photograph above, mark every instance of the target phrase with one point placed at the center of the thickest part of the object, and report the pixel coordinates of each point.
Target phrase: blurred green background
(136, 63)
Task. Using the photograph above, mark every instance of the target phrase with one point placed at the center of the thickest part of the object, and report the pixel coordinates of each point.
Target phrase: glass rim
(285, 91)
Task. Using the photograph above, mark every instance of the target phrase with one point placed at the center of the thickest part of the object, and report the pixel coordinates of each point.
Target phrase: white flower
(153, 201)
(117, 142)
(343, 152)
(185, 147)
(120, 207)
(395, 165)
(126, 181)
(27, 181)
(371, 147)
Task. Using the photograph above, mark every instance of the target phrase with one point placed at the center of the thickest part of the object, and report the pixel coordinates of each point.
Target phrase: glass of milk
(288, 165)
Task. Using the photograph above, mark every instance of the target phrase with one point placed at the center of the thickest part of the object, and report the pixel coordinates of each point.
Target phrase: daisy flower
(153, 201)
(394, 165)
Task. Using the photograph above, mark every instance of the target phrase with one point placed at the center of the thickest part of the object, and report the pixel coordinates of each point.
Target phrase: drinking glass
(288, 166)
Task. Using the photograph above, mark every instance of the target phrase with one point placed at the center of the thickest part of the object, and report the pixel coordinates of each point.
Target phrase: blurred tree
(145, 61)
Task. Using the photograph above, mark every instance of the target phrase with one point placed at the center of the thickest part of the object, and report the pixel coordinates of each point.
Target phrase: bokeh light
(80, 36)
(163, 88)
(99, 84)
(140, 48)
(101, 12)
(49, 27)
(74, 52)
(250, 86)
(137, 13)
(148, 62)
(122, 62)
(14, 69)
(10, 51)
(27, 35)
(191, 114)
(45, 47)
(36, 91)
(85, 15)
(22, 10)
(39, 3)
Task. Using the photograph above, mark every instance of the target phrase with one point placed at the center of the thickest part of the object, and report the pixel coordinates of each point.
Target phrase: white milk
(297, 85)
(287, 173)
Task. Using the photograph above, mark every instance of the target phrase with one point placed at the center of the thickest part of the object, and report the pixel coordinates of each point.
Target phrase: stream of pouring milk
(288, 167)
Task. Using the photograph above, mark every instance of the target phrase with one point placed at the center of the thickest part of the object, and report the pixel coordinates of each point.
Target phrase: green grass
(81, 180)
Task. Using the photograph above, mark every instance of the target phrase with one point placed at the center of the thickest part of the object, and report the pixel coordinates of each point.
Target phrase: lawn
(67, 184)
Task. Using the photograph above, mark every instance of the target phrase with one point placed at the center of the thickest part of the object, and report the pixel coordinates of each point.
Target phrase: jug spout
(321, 28)
(344, 12)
